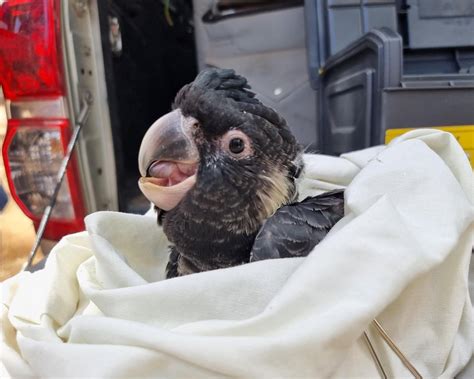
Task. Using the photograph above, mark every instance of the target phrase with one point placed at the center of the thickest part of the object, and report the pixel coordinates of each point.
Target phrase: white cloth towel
(100, 308)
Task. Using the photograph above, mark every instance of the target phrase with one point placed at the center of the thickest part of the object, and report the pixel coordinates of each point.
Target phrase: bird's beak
(168, 160)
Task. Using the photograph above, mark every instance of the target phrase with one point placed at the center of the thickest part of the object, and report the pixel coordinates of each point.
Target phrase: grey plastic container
(440, 23)
(352, 85)
(438, 61)
(365, 92)
(380, 81)
(331, 25)
(428, 106)
(358, 17)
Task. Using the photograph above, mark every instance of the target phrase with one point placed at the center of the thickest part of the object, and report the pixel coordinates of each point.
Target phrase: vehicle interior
(161, 45)
(236, 279)
(156, 57)
(338, 86)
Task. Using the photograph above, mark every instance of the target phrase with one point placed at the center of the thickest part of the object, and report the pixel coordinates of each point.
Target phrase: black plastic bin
(390, 77)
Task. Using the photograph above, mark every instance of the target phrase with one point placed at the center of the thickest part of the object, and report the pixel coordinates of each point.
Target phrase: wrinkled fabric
(101, 308)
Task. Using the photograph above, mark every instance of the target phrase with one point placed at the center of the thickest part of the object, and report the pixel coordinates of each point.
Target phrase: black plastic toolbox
(381, 80)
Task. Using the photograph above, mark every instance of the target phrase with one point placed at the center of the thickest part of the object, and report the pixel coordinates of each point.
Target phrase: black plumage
(295, 229)
(247, 163)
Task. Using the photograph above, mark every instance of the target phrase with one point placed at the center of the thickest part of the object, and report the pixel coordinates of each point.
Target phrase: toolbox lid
(440, 23)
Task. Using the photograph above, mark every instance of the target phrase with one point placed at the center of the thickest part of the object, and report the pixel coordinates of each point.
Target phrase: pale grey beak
(168, 160)
(168, 139)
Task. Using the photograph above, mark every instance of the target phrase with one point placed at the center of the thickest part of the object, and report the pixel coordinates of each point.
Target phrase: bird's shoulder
(295, 229)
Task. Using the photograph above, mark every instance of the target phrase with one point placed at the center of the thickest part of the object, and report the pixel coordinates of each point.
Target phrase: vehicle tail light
(29, 59)
(33, 151)
(38, 130)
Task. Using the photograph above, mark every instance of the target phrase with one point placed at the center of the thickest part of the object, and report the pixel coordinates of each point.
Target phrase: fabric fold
(401, 254)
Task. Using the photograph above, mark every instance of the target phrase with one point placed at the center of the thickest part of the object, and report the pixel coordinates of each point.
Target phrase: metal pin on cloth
(375, 357)
(389, 341)
(396, 350)
(81, 120)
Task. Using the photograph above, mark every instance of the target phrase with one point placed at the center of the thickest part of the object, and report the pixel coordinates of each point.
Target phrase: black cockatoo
(221, 169)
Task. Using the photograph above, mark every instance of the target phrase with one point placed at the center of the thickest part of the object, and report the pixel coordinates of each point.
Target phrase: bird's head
(223, 143)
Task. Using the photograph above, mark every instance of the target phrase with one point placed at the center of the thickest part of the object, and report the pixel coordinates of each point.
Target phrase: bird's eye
(236, 145)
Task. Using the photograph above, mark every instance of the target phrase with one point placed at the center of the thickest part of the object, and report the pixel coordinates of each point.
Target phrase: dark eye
(236, 145)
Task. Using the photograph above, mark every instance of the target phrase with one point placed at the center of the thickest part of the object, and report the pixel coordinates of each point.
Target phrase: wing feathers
(295, 229)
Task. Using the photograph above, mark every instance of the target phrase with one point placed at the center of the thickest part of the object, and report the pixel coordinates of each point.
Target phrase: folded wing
(295, 229)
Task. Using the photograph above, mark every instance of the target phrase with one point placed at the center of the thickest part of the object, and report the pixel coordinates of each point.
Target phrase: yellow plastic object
(463, 133)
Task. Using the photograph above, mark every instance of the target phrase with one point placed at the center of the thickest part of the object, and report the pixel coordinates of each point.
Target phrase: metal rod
(80, 121)
(396, 350)
(375, 357)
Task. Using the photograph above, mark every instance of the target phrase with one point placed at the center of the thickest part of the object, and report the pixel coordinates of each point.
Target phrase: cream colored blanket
(101, 309)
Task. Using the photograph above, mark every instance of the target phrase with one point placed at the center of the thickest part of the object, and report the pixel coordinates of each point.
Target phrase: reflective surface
(16, 230)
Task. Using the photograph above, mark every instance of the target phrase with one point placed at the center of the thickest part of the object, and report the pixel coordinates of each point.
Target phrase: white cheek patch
(275, 193)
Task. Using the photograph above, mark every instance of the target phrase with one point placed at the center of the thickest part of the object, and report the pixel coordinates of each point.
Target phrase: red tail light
(37, 134)
(29, 55)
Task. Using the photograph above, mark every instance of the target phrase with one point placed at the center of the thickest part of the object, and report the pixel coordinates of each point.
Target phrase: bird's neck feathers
(236, 206)
(216, 224)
